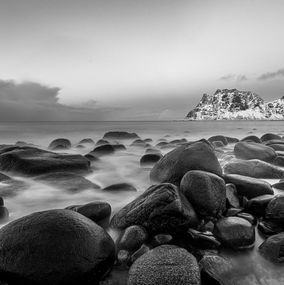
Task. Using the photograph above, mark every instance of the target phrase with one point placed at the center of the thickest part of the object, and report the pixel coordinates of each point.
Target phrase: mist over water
(123, 166)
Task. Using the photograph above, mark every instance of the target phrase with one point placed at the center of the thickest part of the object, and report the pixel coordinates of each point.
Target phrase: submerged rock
(197, 155)
(66, 248)
(257, 205)
(205, 191)
(270, 136)
(59, 144)
(165, 265)
(150, 159)
(105, 149)
(87, 141)
(161, 208)
(120, 135)
(120, 187)
(223, 139)
(252, 139)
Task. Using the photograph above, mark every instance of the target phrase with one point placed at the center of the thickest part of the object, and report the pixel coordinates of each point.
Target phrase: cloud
(31, 101)
(272, 75)
(235, 77)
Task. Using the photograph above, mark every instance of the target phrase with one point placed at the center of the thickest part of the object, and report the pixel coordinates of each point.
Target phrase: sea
(249, 267)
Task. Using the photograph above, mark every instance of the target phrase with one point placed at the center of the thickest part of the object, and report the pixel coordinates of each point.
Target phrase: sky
(134, 59)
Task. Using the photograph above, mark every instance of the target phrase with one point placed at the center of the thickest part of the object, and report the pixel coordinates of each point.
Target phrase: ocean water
(250, 267)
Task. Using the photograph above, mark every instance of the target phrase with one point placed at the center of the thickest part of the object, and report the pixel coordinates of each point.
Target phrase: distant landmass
(232, 104)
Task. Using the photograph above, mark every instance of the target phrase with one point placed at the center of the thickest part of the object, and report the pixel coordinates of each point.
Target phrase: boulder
(120, 187)
(87, 141)
(66, 248)
(278, 147)
(270, 136)
(205, 191)
(232, 198)
(252, 150)
(167, 265)
(59, 144)
(105, 149)
(232, 140)
(67, 181)
(160, 209)
(202, 240)
(279, 185)
(272, 248)
(139, 143)
(254, 168)
(4, 213)
(257, 205)
(218, 144)
(223, 139)
(33, 161)
(119, 147)
(197, 155)
(269, 227)
(150, 159)
(120, 135)
(274, 142)
(279, 160)
(101, 142)
(275, 209)
(252, 139)
(152, 150)
(235, 232)
(248, 186)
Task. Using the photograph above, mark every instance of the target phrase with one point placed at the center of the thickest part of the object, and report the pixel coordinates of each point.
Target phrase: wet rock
(139, 143)
(66, 247)
(161, 239)
(270, 136)
(279, 147)
(272, 248)
(248, 186)
(120, 135)
(247, 217)
(67, 180)
(119, 147)
(120, 187)
(216, 270)
(232, 198)
(166, 265)
(102, 142)
(279, 160)
(148, 140)
(235, 232)
(152, 151)
(252, 139)
(223, 139)
(150, 159)
(161, 208)
(279, 185)
(33, 161)
(91, 157)
(123, 257)
(257, 205)
(231, 212)
(162, 143)
(138, 253)
(254, 168)
(197, 155)
(204, 240)
(274, 142)
(205, 191)
(232, 140)
(218, 144)
(87, 141)
(275, 209)
(4, 213)
(105, 149)
(268, 227)
(252, 150)
(59, 144)
(132, 238)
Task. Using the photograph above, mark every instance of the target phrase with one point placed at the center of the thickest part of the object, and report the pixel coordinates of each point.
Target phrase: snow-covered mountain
(232, 104)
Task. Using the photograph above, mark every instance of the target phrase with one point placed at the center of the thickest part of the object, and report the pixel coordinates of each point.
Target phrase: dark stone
(120, 187)
(252, 150)
(279, 185)
(268, 227)
(86, 141)
(60, 144)
(223, 139)
(273, 248)
(163, 143)
(197, 155)
(4, 214)
(1, 201)
(247, 217)
(205, 191)
(251, 139)
(279, 160)
(275, 209)
(218, 144)
(101, 142)
(148, 140)
(235, 232)
(279, 147)
(165, 265)
(33, 161)
(254, 168)
(120, 135)
(123, 257)
(232, 140)
(232, 198)
(231, 212)
(118, 147)
(66, 248)
(4, 177)
(105, 149)
(161, 208)
(274, 142)
(66, 180)
(132, 238)
(142, 250)
(150, 159)
(91, 157)
(269, 136)
(257, 205)
(161, 239)
(248, 186)
(139, 143)
(204, 240)
(152, 151)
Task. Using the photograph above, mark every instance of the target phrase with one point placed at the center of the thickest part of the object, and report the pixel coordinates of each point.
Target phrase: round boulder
(60, 144)
(150, 159)
(275, 209)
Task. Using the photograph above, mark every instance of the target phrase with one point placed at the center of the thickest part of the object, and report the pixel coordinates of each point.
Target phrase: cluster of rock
(171, 233)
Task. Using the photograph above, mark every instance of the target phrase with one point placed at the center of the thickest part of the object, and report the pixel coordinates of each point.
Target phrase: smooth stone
(279, 160)
(167, 265)
(132, 238)
(279, 185)
(33, 161)
(138, 253)
(254, 168)
(148, 140)
(150, 159)
(105, 149)
(86, 141)
(269, 136)
(252, 139)
(4, 214)
(91, 157)
(120, 187)
(248, 186)
(59, 144)
(138, 143)
(218, 144)
(257, 205)
(119, 147)
(161, 239)
(275, 209)
(247, 217)
(120, 135)
(204, 240)
(161, 208)
(205, 191)
(223, 139)
(232, 199)
(197, 155)
(101, 142)
(274, 142)
(66, 248)
(232, 140)
(235, 232)
(67, 181)
(272, 248)
(279, 147)
(152, 151)
(268, 227)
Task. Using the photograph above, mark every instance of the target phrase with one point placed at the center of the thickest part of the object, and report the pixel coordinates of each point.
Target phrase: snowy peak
(232, 104)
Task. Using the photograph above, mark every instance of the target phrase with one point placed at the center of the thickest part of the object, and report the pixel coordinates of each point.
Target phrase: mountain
(232, 104)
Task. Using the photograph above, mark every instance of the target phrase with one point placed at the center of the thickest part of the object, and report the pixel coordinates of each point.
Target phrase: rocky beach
(181, 203)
